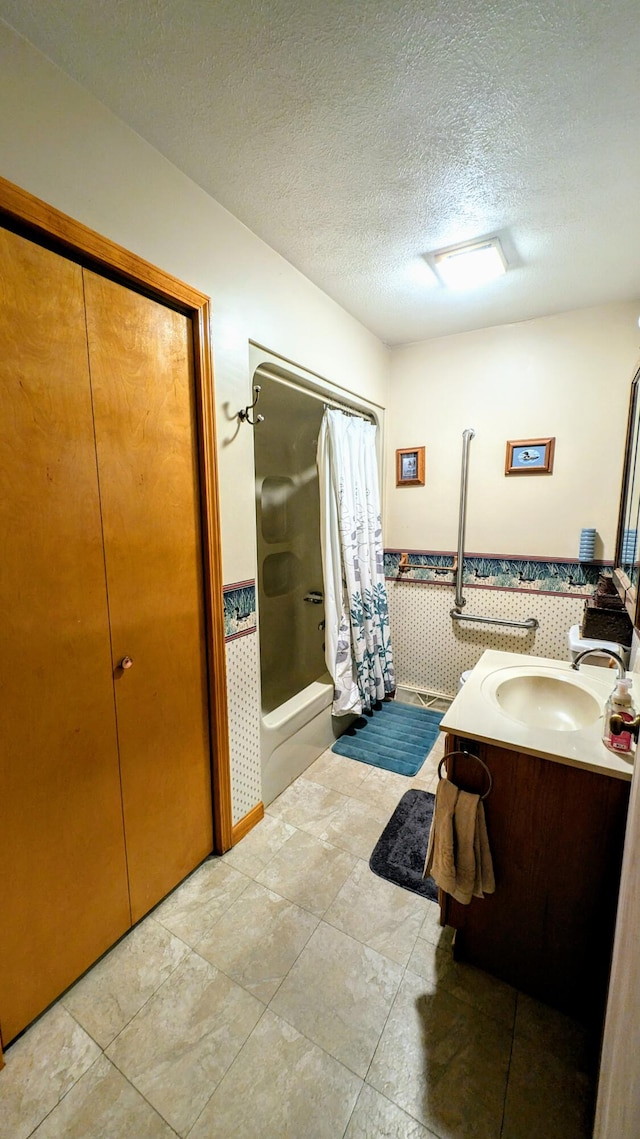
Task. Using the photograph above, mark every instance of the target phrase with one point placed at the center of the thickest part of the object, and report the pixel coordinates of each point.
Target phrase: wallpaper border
(562, 577)
(239, 600)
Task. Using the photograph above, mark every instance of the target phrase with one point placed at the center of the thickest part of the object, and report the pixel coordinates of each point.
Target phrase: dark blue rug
(397, 737)
(402, 847)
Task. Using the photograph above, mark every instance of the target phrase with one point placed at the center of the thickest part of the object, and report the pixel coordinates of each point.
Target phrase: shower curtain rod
(347, 411)
(262, 372)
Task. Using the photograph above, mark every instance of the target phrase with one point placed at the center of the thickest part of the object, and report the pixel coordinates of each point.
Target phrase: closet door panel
(142, 380)
(63, 888)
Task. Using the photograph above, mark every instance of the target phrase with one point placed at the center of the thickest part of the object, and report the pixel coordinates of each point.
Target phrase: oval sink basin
(547, 702)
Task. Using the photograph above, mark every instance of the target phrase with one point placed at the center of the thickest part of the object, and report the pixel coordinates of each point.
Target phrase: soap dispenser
(621, 704)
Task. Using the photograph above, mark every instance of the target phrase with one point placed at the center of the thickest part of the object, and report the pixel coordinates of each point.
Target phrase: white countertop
(475, 714)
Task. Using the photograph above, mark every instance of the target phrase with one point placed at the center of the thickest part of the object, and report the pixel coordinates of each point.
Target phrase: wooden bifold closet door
(63, 892)
(140, 359)
(105, 786)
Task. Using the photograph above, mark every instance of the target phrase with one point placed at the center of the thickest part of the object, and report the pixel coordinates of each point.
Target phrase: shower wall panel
(288, 536)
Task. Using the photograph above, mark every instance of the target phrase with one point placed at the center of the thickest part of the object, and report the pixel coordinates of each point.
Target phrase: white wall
(59, 143)
(566, 376)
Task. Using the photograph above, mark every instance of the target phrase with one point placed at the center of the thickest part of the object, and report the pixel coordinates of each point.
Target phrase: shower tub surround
(296, 690)
(431, 651)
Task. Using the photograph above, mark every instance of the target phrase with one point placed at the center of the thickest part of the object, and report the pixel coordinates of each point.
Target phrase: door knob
(126, 662)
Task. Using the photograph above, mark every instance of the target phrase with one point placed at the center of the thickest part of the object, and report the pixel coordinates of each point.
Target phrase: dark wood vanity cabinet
(556, 834)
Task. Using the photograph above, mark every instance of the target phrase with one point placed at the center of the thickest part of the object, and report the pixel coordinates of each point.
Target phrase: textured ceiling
(355, 135)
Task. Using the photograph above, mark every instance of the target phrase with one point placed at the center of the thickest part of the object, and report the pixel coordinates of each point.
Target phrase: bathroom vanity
(556, 818)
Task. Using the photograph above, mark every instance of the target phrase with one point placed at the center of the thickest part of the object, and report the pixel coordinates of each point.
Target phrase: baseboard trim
(247, 823)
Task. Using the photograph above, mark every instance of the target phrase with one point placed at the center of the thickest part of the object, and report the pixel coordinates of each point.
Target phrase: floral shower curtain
(358, 643)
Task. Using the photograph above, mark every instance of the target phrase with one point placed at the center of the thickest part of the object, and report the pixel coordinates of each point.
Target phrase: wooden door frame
(43, 223)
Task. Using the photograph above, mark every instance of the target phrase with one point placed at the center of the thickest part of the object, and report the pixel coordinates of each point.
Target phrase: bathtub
(294, 734)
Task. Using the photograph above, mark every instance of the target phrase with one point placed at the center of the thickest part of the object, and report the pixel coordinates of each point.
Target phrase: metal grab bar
(456, 615)
(467, 436)
(530, 623)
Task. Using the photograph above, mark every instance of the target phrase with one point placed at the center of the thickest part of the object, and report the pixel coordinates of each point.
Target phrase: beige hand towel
(458, 855)
(464, 828)
(440, 861)
(485, 882)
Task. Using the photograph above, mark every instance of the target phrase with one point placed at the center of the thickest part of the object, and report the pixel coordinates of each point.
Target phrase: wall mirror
(627, 562)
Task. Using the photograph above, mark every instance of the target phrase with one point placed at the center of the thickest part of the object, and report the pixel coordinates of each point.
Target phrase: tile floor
(286, 992)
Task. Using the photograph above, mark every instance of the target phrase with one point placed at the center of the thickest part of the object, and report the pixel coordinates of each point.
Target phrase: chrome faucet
(622, 672)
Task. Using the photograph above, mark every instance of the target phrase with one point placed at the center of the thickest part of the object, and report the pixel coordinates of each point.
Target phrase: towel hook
(469, 755)
(244, 413)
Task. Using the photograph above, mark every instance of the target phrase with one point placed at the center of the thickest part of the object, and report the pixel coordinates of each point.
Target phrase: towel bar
(468, 755)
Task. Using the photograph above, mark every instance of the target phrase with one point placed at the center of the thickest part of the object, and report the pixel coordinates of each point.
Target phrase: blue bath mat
(397, 737)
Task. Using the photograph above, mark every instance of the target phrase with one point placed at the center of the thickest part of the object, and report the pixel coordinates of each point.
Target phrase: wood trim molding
(72, 237)
(76, 238)
(221, 761)
(246, 824)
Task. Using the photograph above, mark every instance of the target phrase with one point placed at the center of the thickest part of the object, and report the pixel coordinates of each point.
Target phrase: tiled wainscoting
(243, 694)
(243, 687)
(431, 651)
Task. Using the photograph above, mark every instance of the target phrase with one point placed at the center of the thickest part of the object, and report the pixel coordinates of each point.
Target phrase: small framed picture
(410, 466)
(529, 457)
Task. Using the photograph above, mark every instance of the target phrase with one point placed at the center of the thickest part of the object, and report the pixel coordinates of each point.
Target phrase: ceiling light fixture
(464, 266)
